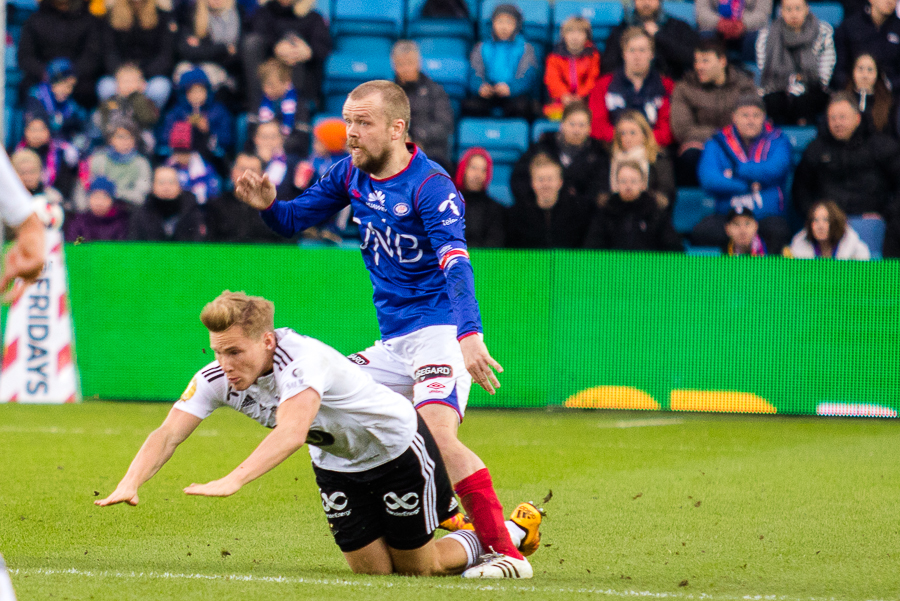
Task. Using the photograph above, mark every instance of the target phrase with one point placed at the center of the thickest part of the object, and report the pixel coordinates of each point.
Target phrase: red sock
(476, 493)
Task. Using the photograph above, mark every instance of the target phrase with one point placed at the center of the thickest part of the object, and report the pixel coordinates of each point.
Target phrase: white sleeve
(202, 397)
(306, 371)
(15, 201)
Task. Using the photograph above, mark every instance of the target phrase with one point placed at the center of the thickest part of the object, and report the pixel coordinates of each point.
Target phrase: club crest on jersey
(358, 359)
(401, 209)
(189, 391)
(427, 372)
(377, 196)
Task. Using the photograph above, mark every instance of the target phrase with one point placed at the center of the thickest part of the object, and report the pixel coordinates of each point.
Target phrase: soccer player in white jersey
(25, 259)
(411, 221)
(383, 484)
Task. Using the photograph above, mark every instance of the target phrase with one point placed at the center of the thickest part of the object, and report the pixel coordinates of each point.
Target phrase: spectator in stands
(61, 29)
(573, 67)
(874, 99)
(105, 219)
(795, 55)
(632, 218)
(504, 69)
(549, 215)
(296, 35)
(636, 85)
(281, 167)
(742, 234)
(484, 217)
(329, 146)
(121, 163)
(59, 158)
(138, 32)
(431, 116)
(194, 174)
(857, 169)
(170, 213)
(29, 168)
(634, 142)
(746, 165)
(68, 120)
(583, 158)
(210, 41)
(280, 102)
(876, 31)
(736, 21)
(212, 128)
(702, 104)
(828, 235)
(673, 39)
(230, 220)
(129, 102)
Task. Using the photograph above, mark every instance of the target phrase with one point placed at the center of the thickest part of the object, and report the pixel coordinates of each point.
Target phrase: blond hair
(122, 15)
(634, 32)
(23, 156)
(274, 69)
(253, 314)
(395, 103)
(575, 23)
(650, 146)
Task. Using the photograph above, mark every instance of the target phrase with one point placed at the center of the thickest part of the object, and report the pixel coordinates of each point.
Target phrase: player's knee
(371, 570)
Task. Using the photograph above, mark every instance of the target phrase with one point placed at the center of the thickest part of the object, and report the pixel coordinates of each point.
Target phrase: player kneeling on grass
(383, 484)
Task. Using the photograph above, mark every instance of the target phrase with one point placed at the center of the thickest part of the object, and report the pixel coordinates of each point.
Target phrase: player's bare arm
(479, 362)
(255, 190)
(295, 415)
(154, 454)
(26, 257)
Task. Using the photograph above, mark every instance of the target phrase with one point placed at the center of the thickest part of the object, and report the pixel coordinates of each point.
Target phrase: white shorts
(425, 366)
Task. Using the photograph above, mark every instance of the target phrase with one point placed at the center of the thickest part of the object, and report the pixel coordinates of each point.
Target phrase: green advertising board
(571, 328)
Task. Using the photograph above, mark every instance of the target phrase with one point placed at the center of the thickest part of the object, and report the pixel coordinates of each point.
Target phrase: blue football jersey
(412, 227)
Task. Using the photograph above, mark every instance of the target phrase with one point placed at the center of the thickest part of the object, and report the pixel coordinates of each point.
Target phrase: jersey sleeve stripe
(286, 355)
(221, 374)
(456, 252)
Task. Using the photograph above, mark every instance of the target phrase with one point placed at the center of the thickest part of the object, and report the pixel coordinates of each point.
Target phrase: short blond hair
(274, 69)
(24, 156)
(255, 315)
(395, 103)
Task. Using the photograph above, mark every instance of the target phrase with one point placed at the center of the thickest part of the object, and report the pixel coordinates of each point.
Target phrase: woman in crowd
(211, 42)
(869, 86)
(795, 55)
(634, 142)
(60, 159)
(828, 235)
(484, 217)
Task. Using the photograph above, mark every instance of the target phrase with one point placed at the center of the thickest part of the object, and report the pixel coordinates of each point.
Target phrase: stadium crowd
(131, 123)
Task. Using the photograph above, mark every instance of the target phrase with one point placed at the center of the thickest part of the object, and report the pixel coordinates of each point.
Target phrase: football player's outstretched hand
(224, 487)
(479, 362)
(255, 190)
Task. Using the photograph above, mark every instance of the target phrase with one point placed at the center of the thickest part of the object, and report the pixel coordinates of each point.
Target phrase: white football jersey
(360, 424)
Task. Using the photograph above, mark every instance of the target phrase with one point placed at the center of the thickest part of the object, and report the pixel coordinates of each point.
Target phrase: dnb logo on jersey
(427, 372)
(404, 506)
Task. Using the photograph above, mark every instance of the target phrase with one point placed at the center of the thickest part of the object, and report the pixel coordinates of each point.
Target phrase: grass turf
(659, 505)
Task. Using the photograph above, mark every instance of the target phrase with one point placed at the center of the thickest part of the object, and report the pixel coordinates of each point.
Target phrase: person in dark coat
(875, 31)
(673, 38)
(584, 160)
(633, 218)
(210, 39)
(549, 215)
(431, 116)
(106, 219)
(169, 214)
(61, 29)
(484, 217)
(295, 34)
(230, 220)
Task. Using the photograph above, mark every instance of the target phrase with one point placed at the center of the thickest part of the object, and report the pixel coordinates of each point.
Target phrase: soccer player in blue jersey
(411, 220)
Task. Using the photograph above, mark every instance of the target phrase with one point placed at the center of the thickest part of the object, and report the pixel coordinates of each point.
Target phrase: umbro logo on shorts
(337, 501)
(358, 359)
(409, 503)
(426, 372)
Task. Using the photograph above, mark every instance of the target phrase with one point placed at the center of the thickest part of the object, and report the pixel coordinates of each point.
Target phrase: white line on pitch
(512, 586)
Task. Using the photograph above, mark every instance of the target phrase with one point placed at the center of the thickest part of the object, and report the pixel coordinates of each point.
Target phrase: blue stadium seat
(830, 12)
(362, 45)
(871, 231)
(681, 10)
(702, 251)
(444, 47)
(334, 103)
(603, 16)
(543, 125)
(418, 26)
(535, 20)
(505, 139)
(800, 136)
(25, 5)
(241, 126)
(451, 73)
(368, 17)
(499, 189)
(691, 205)
(343, 72)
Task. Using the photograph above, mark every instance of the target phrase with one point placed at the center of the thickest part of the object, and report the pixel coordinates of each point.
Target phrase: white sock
(471, 544)
(516, 533)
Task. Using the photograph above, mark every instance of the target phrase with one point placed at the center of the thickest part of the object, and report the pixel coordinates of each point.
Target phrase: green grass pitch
(662, 506)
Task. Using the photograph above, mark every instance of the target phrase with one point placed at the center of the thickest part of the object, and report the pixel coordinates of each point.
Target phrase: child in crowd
(741, 228)
(194, 174)
(573, 67)
(211, 123)
(279, 103)
(129, 101)
(59, 158)
(29, 168)
(68, 120)
(105, 219)
(329, 146)
(281, 167)
(121, 163)
(484, 217)
(503, 69)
